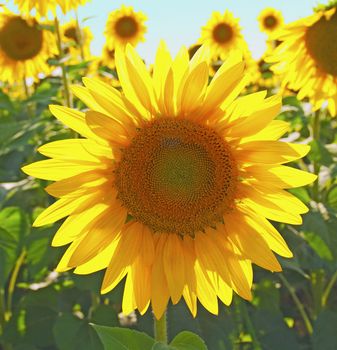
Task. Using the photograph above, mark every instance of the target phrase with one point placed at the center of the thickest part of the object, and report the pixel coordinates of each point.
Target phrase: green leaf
(161, 346)
(188, 341)
(318, 245)
(70, 333)
(123, 338)
(325, 335)
(319, 153)
(332, 197)
(8, 254)
(14, 224)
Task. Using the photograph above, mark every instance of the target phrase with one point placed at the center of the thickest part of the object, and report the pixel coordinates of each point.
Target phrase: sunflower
(307, 58)
(75, 40)
(108, 57)
(24, 48)
(270, 20)
(42, 7)
(173, 182)
(223, 34)
(125, 26)
(266, 79)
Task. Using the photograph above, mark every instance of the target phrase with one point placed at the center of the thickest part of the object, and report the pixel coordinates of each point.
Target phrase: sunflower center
(126, 27)
(193, 49)
(222, 33)
(71, 33)
(321, 43)
(20, 40)
(176, 176)
(111, 53)
(270, 22)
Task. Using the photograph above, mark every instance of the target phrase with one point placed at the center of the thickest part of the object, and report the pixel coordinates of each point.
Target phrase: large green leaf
(14, 225)
(188, 341)
(71, 332)
(182, 341)
(123, 338)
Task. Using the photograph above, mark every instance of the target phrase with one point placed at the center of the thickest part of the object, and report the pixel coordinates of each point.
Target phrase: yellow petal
(55, 169)
(173, 260)
(280, 176)
(161, 67)
(124, 79)
(129, 242)
(273, 131)
(110, 99)
(129, 302)
(194, 88)
(250, 243)
(85, 96)
(99, 235)
(141, 274)
(64, 207)
(222, 86)
(205, 290)
(256, 121)
(107, 128)
(270, 152)
(268, 232)
(159, 289)
(75, 149)
(75, 120)
(99, 261)
(78, 224)
(80, 184)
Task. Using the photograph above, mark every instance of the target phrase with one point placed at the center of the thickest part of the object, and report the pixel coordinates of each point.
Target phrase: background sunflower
(270, 20)
(124, 26)
(307, 58)
(77, 41)
(24, 48)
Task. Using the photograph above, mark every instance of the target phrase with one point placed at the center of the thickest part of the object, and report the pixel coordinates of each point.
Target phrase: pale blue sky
(178, 22)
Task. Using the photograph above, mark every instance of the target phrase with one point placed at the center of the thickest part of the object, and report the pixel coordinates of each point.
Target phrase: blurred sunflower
(24, 48)
(266, 79)
(67, 5)
(125, 26)
(108, 57)
(270, 20)
(42, 7)
(77, 40)
(307, 58)
(173, 182)
(223, 34)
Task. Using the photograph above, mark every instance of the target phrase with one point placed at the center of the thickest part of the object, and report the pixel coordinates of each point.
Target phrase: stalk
(12, 283)
(298, 304)
(63, 68)
(79, 36)
(315, 135)
(160, 328)
(329, 288)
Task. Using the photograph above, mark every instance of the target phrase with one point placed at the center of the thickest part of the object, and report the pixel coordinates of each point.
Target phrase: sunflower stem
(12, 283)
(160, 329)
(250, 326)
(328, 289)
(63, 68)
(298, 303)
(2, 310)
(79, 36)
(316, 165)
(25, 86)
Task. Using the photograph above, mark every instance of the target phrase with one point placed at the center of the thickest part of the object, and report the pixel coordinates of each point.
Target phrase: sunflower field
(183, 203)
